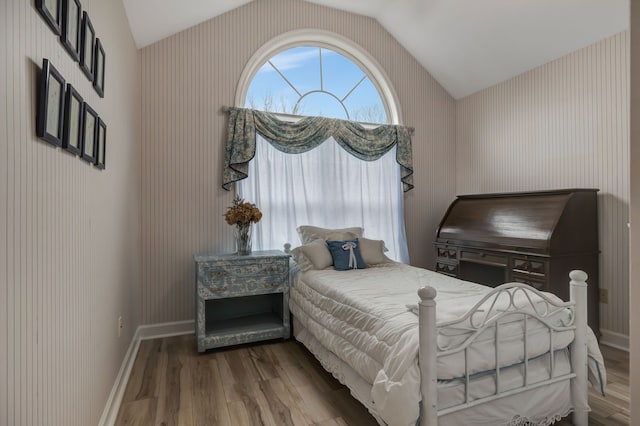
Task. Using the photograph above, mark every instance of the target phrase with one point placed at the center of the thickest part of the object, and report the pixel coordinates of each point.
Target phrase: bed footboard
(490, 313)
(427, 356)
(579, 384)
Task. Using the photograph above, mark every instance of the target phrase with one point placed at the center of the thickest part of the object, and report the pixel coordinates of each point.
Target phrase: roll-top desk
(535, 238)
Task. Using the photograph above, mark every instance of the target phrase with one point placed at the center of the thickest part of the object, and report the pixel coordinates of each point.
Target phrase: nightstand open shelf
(258, 323)
(241, 299)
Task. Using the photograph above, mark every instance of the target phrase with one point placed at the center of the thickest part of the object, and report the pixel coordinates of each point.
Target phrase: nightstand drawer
(225, 279)
(239, 286)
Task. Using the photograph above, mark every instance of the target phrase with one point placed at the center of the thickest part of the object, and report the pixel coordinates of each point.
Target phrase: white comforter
(362, 317)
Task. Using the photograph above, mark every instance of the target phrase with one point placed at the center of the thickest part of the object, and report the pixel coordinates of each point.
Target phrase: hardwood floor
(277, 383)
(614, 408)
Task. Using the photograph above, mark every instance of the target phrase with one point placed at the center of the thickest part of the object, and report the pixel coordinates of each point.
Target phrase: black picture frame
(89, 132)
(73, 119)
(101, 144)
(98, 68)
(50, 115)
(87, 46)
(51, 11)
(71, 34)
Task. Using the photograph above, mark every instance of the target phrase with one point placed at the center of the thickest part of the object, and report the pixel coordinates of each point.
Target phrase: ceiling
(466, 45)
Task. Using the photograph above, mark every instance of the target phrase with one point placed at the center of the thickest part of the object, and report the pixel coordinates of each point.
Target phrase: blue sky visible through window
(309, 80)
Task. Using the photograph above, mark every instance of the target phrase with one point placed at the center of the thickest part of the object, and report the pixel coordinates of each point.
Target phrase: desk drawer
(538, 284)
(482, 257)
(445, 252)
(531, 267)
(446, 268)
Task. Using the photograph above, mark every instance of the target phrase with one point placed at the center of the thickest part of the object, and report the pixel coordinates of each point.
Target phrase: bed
(418, 347)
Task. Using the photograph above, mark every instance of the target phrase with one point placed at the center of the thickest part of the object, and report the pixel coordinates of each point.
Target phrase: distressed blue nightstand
(241, 299)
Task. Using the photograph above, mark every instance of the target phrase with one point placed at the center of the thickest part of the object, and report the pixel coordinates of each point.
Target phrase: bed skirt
(539, 407)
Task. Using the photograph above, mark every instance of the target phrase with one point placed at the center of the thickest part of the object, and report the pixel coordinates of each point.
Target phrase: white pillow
(309, 233)
(315, 255)
(372, 251)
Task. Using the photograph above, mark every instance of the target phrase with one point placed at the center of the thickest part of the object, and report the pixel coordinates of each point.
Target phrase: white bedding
(362, 317)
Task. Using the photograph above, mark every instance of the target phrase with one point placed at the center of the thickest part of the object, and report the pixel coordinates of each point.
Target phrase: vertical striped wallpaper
(562, 125)
(68, 232)
(634, 256)
(187, 78)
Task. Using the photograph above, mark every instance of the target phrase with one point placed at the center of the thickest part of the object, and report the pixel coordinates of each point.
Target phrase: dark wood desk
(535, 238)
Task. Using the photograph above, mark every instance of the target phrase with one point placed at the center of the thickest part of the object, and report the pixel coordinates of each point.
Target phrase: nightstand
(241, 299)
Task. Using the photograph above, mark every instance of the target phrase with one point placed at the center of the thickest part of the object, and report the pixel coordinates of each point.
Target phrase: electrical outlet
(604, 295)
(120, 326)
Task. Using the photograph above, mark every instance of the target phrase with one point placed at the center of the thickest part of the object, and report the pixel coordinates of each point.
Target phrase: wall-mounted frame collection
(64, 119)
(67, 19)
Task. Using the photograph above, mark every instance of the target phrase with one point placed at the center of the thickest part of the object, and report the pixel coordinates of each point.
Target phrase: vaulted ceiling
(467, 45)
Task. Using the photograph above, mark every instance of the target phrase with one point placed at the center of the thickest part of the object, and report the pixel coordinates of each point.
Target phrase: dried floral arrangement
(242, 212)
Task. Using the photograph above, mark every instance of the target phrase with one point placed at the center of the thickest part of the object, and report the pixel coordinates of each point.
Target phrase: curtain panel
(306, 134)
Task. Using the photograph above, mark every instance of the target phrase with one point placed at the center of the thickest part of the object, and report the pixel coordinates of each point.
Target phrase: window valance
(307, 133)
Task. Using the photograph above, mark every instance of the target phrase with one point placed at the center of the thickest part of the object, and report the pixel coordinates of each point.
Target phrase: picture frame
(71, 34)
(89, 125)
(98, 74)
(87, 46)
(51, 11)
(73, 115)
(101, 144)
(50, 113)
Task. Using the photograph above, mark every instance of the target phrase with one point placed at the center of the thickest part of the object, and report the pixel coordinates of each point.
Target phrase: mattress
(362, 317)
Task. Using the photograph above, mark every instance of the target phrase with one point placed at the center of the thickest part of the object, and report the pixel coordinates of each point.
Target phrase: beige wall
(187, 78)
(634, 299)
(562, 125)
(68, 232)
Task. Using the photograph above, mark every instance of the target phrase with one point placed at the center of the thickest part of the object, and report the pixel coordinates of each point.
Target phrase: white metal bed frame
(429, 350)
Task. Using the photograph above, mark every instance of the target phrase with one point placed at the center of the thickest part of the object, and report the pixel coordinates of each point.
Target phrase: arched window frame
(329, 40)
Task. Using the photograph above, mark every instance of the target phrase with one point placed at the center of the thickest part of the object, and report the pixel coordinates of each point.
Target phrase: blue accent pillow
(341, 253)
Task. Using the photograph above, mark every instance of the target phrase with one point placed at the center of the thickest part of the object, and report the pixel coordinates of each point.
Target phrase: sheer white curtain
(325, 187)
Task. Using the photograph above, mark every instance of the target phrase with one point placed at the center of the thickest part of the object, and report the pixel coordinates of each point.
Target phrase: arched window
(316, 81)
(321, 74)
(347, 55)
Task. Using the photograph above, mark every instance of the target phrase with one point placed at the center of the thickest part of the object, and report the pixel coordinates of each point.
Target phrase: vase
(242, 234)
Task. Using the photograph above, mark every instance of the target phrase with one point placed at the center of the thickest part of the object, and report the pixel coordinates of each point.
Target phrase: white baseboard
(615, 340)
(165, 329)
(110, 412)
(144, 332)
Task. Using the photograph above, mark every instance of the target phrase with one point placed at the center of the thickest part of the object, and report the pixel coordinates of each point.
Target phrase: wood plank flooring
(277, 383)
(614, 408)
